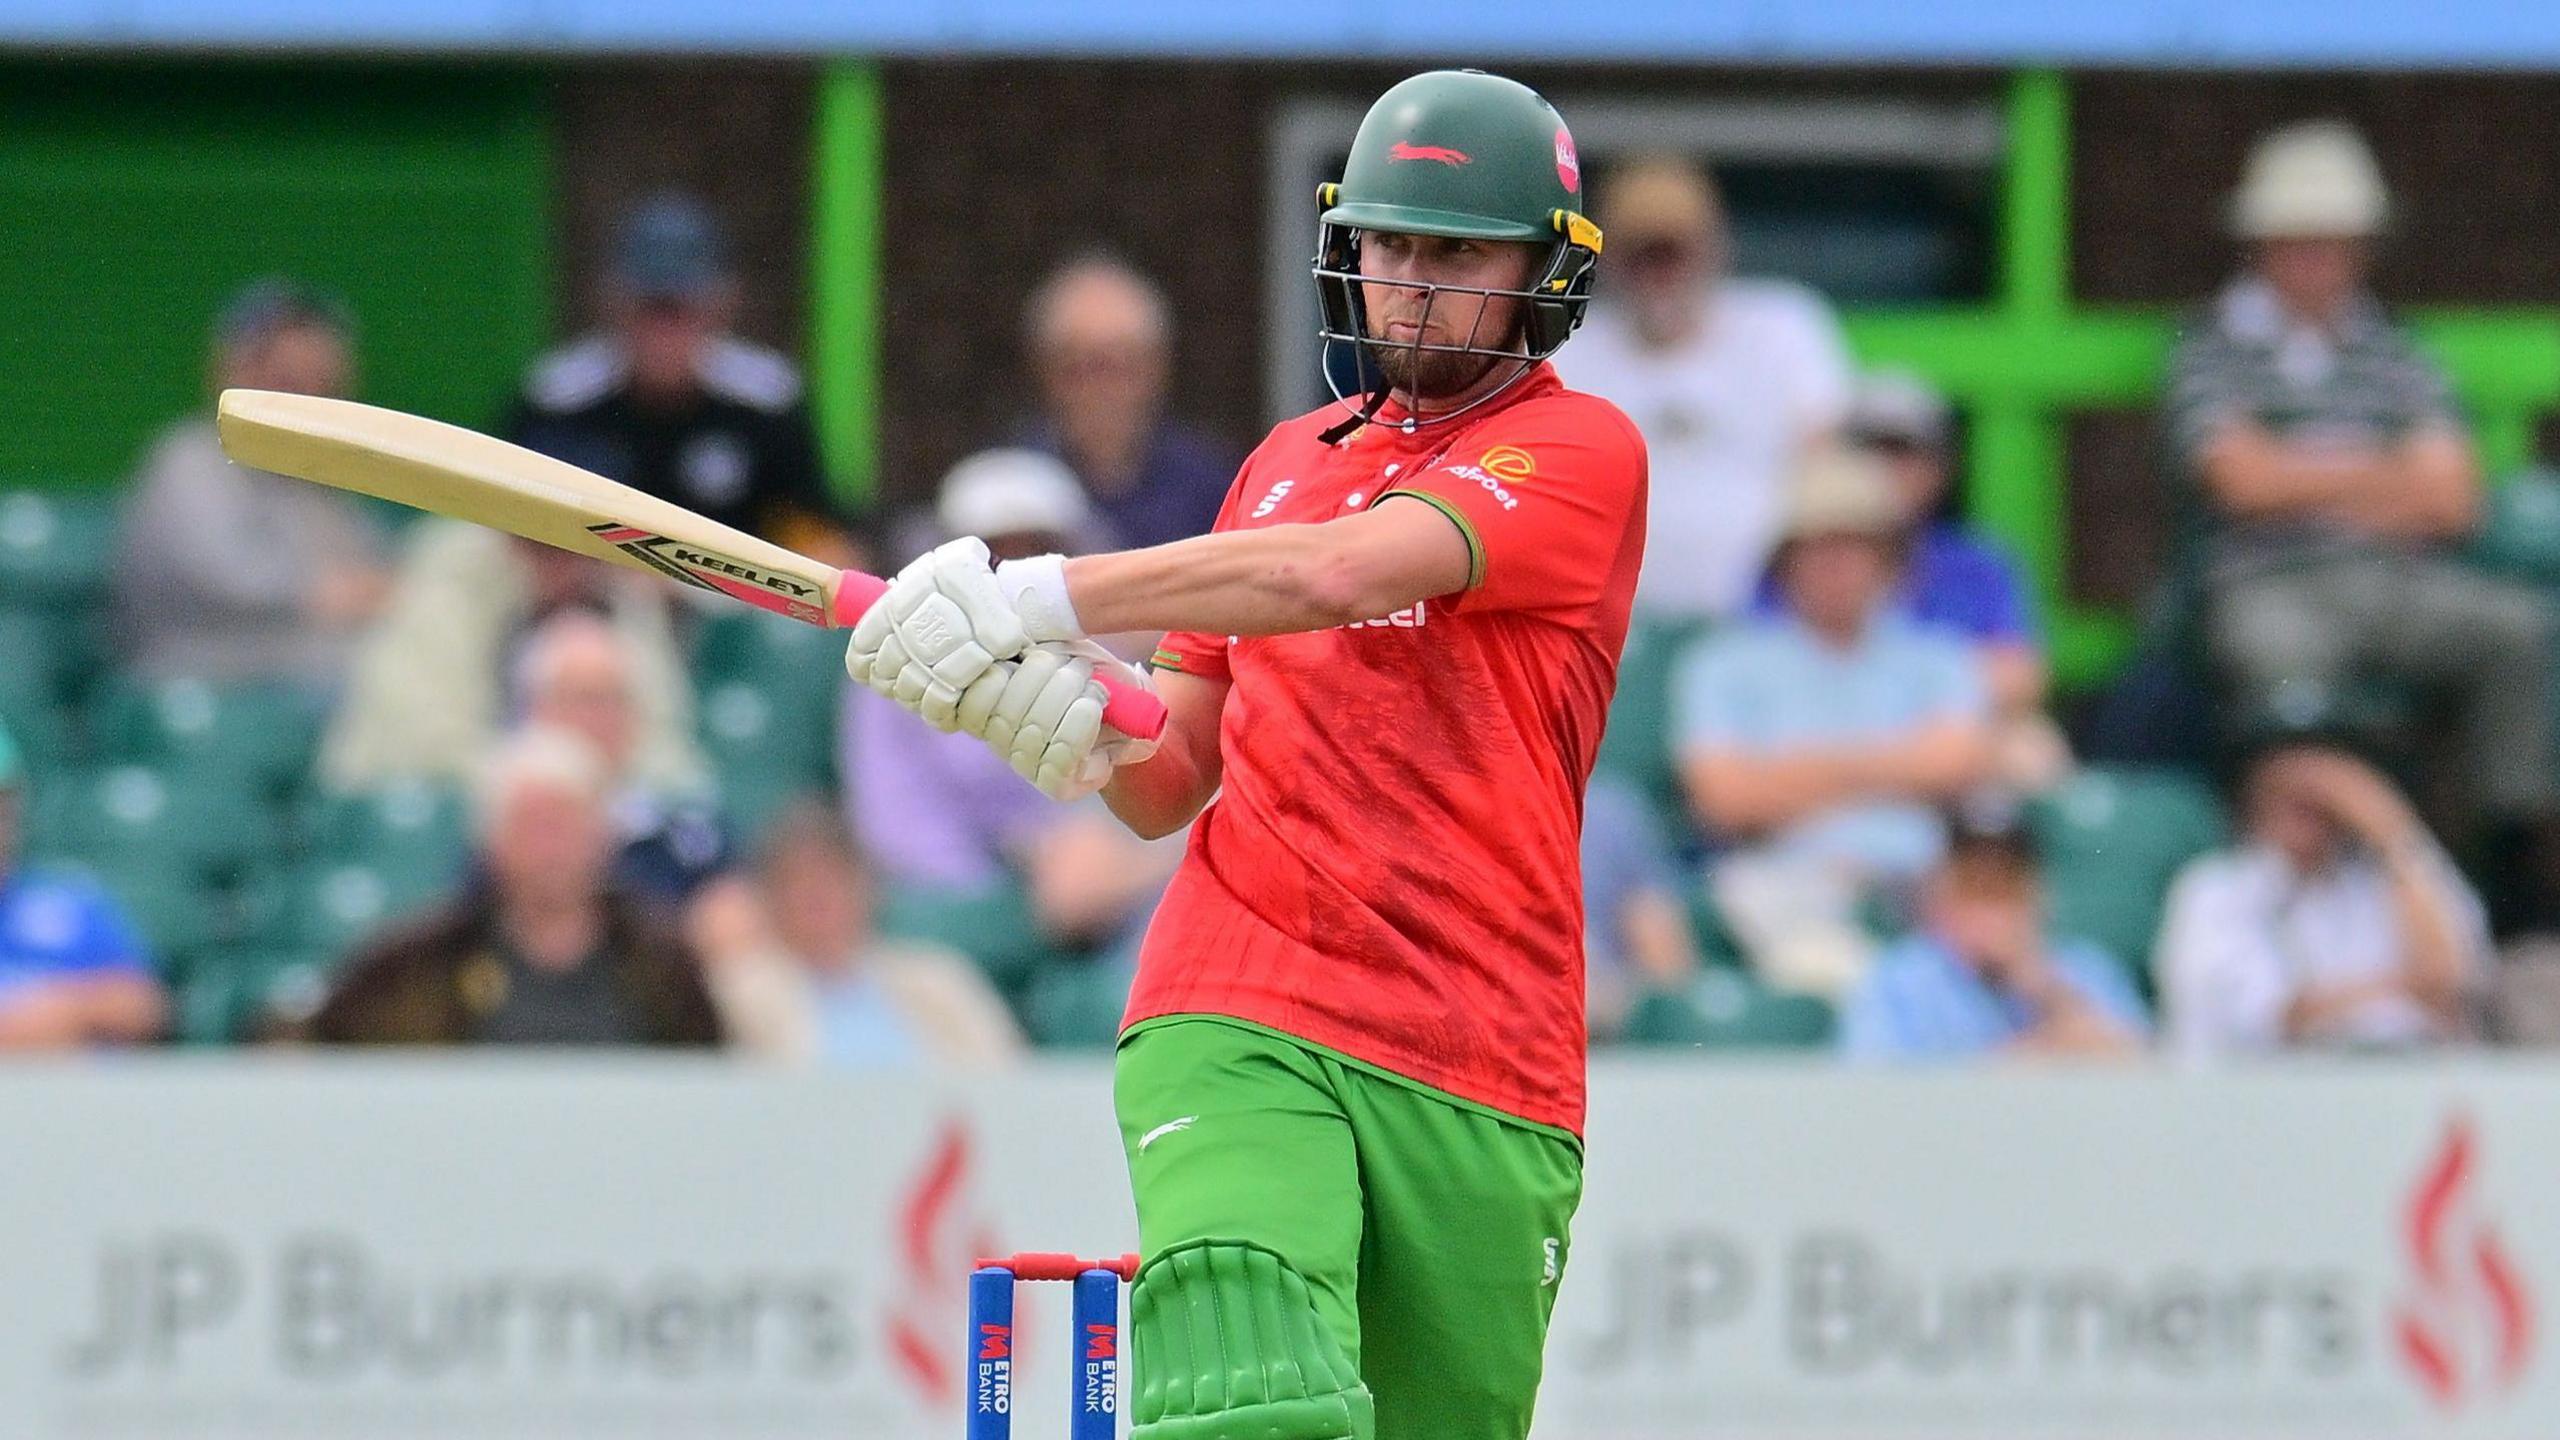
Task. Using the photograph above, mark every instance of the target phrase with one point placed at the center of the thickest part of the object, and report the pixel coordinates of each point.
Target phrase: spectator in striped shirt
(2338, 479)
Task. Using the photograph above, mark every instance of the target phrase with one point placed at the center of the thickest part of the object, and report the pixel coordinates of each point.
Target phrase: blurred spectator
(2338, 920)
(225, 573)
(1100, 337)
(1636, 919)
(664, 398)
(545, 952)
(1728, 379)
(1823, 742)
(829, 988)
(2338, 479)
(574, 674)
(1982, 976)
(72, 970)
(1951, 577)
(431, 688)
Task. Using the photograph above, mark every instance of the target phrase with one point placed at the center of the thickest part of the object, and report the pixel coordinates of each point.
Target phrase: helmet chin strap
(1377, 400)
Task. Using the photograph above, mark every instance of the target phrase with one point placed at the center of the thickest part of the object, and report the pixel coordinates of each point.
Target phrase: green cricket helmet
(1467, 155)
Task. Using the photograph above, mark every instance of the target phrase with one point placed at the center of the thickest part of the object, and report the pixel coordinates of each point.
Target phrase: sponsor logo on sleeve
(1497, 470)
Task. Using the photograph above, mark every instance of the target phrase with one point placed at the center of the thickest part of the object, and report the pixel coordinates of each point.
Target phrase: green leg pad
(1227, 1345)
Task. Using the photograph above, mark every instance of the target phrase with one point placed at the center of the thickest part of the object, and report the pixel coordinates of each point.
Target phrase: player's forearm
(1158, 795)
(1273, 581)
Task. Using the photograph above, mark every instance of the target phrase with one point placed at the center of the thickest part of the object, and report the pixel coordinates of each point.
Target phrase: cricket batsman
(1350, 1082)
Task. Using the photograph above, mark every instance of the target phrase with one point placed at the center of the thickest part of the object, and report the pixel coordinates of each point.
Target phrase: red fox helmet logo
(1407, 150)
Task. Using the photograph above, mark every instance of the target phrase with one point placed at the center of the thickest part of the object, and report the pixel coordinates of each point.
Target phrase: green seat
(263, 736)
(232, 992)
(995, 928)
(56, 547)
(411, 827)
(199, 828)
(1077, 1004)
(2112, 841)
(329, 907)
(2519, 533)
(1641, 745)
(765, 755)
(1729, 1009)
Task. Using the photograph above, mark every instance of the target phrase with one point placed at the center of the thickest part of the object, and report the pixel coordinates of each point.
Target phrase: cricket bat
(429, 465)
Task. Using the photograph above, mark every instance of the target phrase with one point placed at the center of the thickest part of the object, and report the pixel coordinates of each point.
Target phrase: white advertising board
(219, 1248)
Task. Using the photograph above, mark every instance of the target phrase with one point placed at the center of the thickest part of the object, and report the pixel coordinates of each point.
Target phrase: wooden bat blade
(448, 470)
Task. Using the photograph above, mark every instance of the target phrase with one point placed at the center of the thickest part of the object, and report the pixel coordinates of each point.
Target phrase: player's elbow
(1329, 585)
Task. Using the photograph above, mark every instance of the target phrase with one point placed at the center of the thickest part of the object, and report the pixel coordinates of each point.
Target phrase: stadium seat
(412, 827)
(762, 757)
(1077, 1004)
(1729, 1009)
(122, 818)
(230, 992)
(55, 546)
(2112, 842)
(263, 737)
(1638, 746)
(327, 907)
(995, 928)
(2519, 533)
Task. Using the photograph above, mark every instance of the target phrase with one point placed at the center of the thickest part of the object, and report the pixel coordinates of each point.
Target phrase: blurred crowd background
(2098, 597)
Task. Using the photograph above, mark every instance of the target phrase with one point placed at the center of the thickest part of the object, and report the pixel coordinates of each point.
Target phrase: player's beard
(1430, 374)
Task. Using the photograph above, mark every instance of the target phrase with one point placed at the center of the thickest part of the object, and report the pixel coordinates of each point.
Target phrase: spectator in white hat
(2338, 478)
(1952, 577)
(1822, 743)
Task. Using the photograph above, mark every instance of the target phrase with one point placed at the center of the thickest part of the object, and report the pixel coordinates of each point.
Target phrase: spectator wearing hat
(2337, 479)
(1952, 578)
(229, 574)
(1819, 744)
(72, 968)
(942, 812)
(664, 398)
(1982, 975)
(1730, 380)
(2336, 921)
(1100, 341)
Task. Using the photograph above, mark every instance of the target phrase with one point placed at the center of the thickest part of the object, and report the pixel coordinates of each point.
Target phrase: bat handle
(1131, 710)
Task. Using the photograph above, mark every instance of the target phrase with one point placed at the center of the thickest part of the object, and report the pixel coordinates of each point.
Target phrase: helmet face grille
(1552, 306)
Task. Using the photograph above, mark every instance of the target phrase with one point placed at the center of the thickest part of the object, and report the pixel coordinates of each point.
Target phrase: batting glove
(1043, 714)
(940, 627)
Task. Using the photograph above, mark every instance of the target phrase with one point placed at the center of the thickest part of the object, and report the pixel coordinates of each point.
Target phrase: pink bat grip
(1130, 710)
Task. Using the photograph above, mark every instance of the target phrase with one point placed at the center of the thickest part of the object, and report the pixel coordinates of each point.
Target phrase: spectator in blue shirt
(1101, 347)
(1951, 577)
(72, 970)
(1821, 743)
(1982, 977)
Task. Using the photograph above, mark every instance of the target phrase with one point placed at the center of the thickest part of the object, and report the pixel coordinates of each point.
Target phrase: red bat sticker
(1407, 150)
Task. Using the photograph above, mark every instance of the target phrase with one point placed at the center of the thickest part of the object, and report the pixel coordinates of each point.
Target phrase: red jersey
(1392, 867)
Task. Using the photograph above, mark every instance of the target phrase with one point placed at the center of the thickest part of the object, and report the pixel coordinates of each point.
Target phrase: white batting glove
(941, 627)
(1043, 714)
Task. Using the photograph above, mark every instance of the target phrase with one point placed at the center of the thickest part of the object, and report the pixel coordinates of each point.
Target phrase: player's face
(1405, 311)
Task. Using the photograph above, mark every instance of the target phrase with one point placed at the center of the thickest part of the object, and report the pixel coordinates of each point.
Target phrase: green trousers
(1432, 1231)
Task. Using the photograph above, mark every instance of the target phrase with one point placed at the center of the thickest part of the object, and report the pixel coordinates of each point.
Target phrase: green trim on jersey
(1457, 517)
